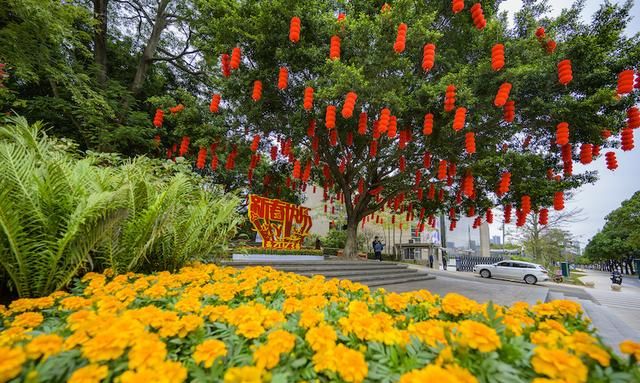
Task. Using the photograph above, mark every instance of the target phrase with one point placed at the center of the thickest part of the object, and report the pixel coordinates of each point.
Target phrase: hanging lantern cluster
(330, 117)
(586, 153)
(550, 46)
(405, 138)
(294, 30)
(231, 159)
(633, 117)
(477, 16)
(274, 152)
(606, 133)
(562, 133)
(214, 106)
(595, 152)
(467, 184)
(158, 118)
(296, 169)
(349, 139)
(255, 143)
(507, 213)
(450, 98)
(540, 33)
(257, 90)
(567, 159)
(502, 95)
(225, 65)
(184, 146)
(307, 172)
(176, 109)
(308, 98)
(525, 204)
(489, 216)
(505, 183)
(565, 74)
(427, 128)
(625, 81)
(349, 104)
(470, 142)
(373, 148)
(612, 162)
(457, 6)
(202, 157)
(459, 118)
(214, 162)
(497, 57)
(543, 217)
(477, 222)
(509, 111)
(521, 218)
(401, 38)
(362, 124)
(383, 122)
(426, 160)
(235, 58)
(334, 48)
(283, 78)
(393, 127)
(558, 200)
(333, 137)
(311, 129)
(626, 139)
(428, 57)
(402, 164)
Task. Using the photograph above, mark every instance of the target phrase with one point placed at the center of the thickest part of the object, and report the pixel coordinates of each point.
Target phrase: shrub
(210, 323)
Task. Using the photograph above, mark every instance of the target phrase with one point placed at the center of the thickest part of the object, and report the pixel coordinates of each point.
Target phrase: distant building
(496, 240)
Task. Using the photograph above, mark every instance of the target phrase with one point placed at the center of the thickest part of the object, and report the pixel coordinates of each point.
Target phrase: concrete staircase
(370, 273)
(611, 329)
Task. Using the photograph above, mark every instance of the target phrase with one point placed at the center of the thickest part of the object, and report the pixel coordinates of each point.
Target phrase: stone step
(396, 281)
(323, 269)
(356, 273)
(367, 278)
(611, 329)
(311, 263)
(554, 295)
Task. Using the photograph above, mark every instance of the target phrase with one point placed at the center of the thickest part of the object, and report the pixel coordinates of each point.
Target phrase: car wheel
(485, 273)
(530, 279)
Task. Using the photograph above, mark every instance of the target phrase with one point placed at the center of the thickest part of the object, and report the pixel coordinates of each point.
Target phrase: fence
(467, 262)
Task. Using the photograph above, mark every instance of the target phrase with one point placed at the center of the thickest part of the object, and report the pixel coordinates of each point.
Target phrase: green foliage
(335, 239)
(61, 215)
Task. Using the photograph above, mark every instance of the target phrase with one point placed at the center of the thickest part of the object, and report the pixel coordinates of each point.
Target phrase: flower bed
(262, 250)
(210, 323)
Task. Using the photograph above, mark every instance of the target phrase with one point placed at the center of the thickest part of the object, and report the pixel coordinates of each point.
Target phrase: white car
(531, 273)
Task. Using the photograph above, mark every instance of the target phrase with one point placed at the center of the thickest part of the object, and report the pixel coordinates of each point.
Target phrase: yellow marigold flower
(549, 339)
(44, 345)
(189, 323)
(396, 302)
(478, 336)
(250, 329)
(310, 318)
(188, 305)
(433, 373)
(76, 339)
(557, 309)
(208, 351)
(281, 341)
(104, 346)
(12, 361)
(630, 347)
(3, 310)
(245, 374)
(558, 364)
(434, 311)
(215, 312)
(350, 364)
(165, 372)
(147, 351)
(551, 324)
(74, 303)
(13, 335)
(545, 380)
(266, 356)
(321, 337)
(92, 373)
(325, 359)
(27, 320)
(456, 304)
(430, 332)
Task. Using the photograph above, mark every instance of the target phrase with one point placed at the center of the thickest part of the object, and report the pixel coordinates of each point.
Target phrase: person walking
(377, 248)
(444, 261)
(431, 261)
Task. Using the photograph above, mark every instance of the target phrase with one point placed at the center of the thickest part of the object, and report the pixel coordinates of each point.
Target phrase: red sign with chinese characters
(282, 225)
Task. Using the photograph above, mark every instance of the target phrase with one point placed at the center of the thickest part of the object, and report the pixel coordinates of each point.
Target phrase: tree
(345, 161)
(618, 243)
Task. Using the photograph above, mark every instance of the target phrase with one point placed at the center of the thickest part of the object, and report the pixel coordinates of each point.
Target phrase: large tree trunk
(351, 246)
(160, 23)
(100, 39)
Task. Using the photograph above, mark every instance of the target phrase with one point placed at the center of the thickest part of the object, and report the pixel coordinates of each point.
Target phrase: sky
(613, 187)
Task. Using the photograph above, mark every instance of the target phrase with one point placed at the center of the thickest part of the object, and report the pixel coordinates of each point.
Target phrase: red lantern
(330, 117)
(558, 200)
(470, 142)
(625, 81)
(428, 124)
(294, 30)
(450, 98)
(606, 133)
(452, 169)
(334, 48)
(296, 170)
(489, 216)
(184, 146)
(509, 111)
(442, 169)
(543, 217)
(373, 148)
(478, 16)
(452, 224)
(274, 152)
(626, 138)
(612, 163)
(383, 123)
(349, 139)
(505, 183)
(426, 160)
(550, 46)
(235, 58)
(255, 143)
(225, 65)
(586, 153)
(458, 119)
(562, 133)
(392, 131)
(215, 103)
(525, 204)
(471, 211)
(457, 5)
(540, 33)
(633, 117)
(521, 218)
(565, 74)
(283, 78)
(497, 57)
(507, 213)
(401, 38)
(502, 95)
(311, 130)
(595, 151)
(257, 90)
(467, 184)
(214, 162)
(333, 137)
(402, 163)
(349, 104)
(362, 124)
(428, 57)
(158, 119)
